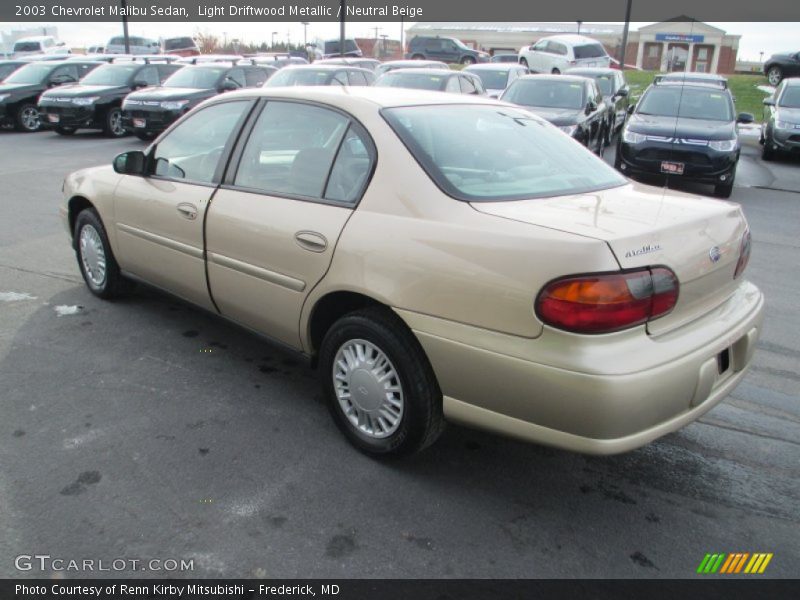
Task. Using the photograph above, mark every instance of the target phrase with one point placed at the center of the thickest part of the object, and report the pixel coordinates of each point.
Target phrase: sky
(768, 38)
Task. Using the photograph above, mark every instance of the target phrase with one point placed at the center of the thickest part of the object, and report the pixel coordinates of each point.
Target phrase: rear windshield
(27, 47)
(790, 97)
(492, 80)
(545, 93)
(687, 103)
(332, 47)
(110, 75)
(291, 77)
(494, 153)
(178, 43)
(589, 51)
(30, 74)
(417, 81)
(202, 78)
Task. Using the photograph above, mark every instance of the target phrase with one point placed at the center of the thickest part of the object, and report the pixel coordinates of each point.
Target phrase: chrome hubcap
(368, 388)
(115, 121)
(30, 118)
(93, 256)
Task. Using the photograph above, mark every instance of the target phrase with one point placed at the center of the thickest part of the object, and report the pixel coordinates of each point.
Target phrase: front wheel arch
(75, 205)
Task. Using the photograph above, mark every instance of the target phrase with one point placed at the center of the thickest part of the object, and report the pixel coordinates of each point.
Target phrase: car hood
(647, 226)
(76, 90)
(557, 116)
(681, 127)
(788, 114)
(170, 93)
(16, 88)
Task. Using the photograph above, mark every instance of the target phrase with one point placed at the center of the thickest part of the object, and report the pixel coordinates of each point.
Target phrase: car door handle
(311, 240)
(187, 210)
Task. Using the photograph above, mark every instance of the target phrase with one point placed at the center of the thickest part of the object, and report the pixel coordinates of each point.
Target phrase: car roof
(410, 62)
(493, 67)
(361, 96)
(699, 85)
(571, 38)
(423, 71)
(592, 70)
(316, 67)
(549, 77)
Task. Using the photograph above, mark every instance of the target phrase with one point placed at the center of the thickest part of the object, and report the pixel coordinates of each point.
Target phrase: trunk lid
(698, 238)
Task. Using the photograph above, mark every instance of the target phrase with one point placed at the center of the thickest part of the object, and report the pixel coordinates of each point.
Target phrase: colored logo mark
(737, 562)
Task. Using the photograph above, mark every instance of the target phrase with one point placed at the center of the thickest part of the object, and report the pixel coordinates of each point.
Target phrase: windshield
(686, 102)
(589, 51)
(202, 78)
(6, 70)
(27, 47)
(790, 97)
(178, 43)
(418, 81)
(492, 80)
(332, 47)
(110, 75)
(546, 93)
(485, 153)
(289, 77)
(30, 74)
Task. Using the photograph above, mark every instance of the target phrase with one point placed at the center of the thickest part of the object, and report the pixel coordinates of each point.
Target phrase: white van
(40, 44)
(557, 53)
(138, 45)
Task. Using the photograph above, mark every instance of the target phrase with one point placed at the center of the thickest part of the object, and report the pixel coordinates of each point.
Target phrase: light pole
(305, 25)
(342, 10)
(124, 6)
(625, 36)
(579, 25)
(761, 57)
(272, 46)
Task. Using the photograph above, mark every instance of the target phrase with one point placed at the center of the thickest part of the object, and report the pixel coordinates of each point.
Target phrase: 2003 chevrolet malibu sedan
(438, 257)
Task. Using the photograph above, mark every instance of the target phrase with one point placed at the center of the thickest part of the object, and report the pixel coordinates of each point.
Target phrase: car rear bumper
(701, 164)
(594, 394)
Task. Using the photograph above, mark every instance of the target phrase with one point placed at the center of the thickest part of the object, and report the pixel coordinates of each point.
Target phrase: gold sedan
(438, 257)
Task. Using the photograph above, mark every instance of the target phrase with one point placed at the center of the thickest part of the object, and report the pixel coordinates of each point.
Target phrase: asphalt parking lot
(145, 428)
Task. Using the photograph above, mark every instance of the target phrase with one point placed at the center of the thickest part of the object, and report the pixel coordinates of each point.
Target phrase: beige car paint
(464, 278)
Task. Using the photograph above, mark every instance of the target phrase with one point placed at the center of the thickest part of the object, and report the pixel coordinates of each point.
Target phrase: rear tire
(555, 71)
(468, 60)
(145, 136)
(418, 57)
(373, 369)
(27, 118)
(66, 130)
(524, 62)
(96, 261)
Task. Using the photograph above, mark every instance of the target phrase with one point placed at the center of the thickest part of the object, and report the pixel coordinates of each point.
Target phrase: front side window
(201, 78)
(492, 153)
(546, 93)
(30, 74)
(292, 77)
(193, 149)
(493, 80)
(291, 149)
(419, 81)
(27, 47)
(147, 76)
(790, 98)
(686, 102)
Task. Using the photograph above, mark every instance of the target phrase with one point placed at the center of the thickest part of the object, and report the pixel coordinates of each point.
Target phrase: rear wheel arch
(330, 308)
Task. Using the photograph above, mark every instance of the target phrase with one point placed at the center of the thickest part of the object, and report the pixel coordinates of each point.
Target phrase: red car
(180, 46)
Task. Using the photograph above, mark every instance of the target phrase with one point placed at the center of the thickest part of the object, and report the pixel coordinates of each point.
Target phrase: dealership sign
(679, 37)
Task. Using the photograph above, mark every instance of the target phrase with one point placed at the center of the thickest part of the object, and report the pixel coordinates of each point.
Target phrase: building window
(702, 54)
(652, 51)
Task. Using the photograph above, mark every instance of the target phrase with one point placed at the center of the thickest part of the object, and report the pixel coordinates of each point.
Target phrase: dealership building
(675, 45)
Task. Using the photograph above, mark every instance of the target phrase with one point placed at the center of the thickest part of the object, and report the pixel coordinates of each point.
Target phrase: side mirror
(745, 118)
(591, 106)
(62, 79)
(229, 85)
(631, 108)
(139, 84)
(130, 163)
(622, 92)
(769, 101)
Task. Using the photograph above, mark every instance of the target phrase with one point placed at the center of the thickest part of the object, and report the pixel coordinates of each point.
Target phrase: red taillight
(744, 254)
(608, 302)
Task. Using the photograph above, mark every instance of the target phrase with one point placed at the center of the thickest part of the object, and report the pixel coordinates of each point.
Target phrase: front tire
(468, 60)
(96, 261)
(112, 126)
(524, 62)
(418, 57)
(774, 76)
(27, 118)
(66, 130)
(379, 385)
(145, 136)
(555, 71)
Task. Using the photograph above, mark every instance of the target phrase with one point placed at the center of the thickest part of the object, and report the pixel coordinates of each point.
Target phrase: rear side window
(255, 77)
(467, 85)
(589, 51)
(557, 48)
(164, 72)
(291, 149)
(357, 78)
(237, 76)
(352, 167)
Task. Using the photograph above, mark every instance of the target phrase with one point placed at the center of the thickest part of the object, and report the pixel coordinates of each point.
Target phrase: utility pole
(579, 26)
(272, 46)
(124, 6)
(625, 36)
(305, 25)
(342, 10)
